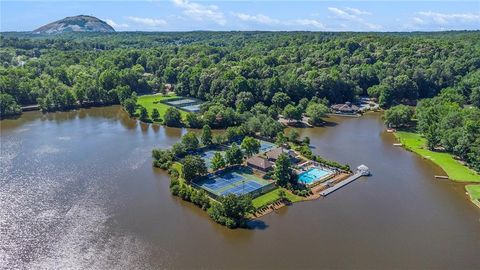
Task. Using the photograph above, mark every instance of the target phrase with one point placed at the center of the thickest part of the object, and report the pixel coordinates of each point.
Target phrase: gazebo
(363, 170)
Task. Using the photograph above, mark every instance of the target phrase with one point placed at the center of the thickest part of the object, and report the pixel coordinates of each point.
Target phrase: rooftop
(259, 162)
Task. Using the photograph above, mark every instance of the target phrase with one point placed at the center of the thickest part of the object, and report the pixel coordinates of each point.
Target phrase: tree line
(446, 122)
(236, 70)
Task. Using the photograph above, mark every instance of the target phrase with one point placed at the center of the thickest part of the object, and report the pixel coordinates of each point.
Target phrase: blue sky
(186, 15)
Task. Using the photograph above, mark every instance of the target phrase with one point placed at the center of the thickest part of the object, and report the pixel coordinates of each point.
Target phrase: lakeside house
(260, 163)
(345, 108)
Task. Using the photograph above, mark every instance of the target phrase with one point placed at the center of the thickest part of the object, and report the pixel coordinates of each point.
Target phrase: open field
(474, 192)
(272, 196)
(153, 101)
(454, 169)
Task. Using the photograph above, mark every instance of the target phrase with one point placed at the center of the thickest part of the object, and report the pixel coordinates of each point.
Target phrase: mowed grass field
(272, 196)
(474, 192)
(454, 169)
(153, 101)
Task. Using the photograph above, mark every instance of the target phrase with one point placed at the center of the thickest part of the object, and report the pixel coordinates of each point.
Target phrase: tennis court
(192, 108)
(238, 181)
(181, 102)
(266, 146)
(186, 104)
(207, 156)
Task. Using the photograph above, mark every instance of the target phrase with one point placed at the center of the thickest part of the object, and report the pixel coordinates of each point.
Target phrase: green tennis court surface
(237, 181)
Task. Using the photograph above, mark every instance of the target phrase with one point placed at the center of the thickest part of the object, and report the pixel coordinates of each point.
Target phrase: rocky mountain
(81, 23)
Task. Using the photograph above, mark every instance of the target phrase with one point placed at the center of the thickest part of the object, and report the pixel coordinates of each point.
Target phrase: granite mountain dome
(81, 23)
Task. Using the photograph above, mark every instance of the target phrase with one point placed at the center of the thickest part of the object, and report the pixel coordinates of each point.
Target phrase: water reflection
(77, 189)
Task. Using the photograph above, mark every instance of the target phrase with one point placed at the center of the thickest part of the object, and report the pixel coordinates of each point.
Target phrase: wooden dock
(35, 107)
(341, 184)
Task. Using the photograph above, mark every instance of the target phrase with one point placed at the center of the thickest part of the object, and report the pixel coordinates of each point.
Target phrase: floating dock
(362, 170)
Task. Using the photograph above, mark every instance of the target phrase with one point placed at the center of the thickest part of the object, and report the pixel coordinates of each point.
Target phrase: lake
(77, 190)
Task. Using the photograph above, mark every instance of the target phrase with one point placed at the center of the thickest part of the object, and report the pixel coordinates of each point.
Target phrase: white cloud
(113, 24)
(342, 14)
(309, 22)
(353, 15)
(148, 21)
(357, 11)
(201, 12)
(264, 19)
(260, 18)
(446, 18)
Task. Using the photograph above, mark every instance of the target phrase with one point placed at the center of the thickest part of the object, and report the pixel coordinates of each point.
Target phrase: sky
(270, 15)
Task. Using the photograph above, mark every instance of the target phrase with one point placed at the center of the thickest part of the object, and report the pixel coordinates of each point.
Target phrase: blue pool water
(312, 175)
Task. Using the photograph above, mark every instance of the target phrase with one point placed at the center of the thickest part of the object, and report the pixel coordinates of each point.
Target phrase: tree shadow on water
(329, 124)
(256, 225)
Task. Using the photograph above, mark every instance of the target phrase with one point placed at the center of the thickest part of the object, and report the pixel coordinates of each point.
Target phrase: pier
(362, 170)
(35, 107)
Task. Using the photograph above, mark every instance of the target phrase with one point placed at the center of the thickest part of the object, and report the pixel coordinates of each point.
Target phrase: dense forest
(248, 78)
(236, 69)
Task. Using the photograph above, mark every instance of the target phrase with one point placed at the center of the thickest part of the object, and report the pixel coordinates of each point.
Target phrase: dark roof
(259, 162)
(274, 153)
(346, 107)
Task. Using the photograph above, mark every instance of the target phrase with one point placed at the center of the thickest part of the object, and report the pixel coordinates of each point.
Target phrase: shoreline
(454, 170)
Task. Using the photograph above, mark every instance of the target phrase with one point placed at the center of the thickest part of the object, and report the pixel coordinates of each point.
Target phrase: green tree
(130, 106)
(283, 170)
(206, 135)
(178, 149)
(475, 97)
(292, 112)
(143, 113)
(281, 100)
(250, 145)
(172, 117)
(293, 135)
(398, 116)
(190, 141)
(234, 155)
(8, 106)
(282, 195)
(237, 207)
(155, 114)
(218, 161)
(281, 139)
(193, 120)
(193, 166)
(316, 111)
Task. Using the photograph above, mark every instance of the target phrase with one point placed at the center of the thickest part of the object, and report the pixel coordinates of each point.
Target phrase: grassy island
(237, 176)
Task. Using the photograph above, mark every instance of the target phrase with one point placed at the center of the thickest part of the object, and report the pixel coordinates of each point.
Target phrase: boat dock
(35, 107)
(361, 171)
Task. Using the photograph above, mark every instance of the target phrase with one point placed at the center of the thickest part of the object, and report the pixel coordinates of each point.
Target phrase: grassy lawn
(474, 192)
(152, 101)
(454, 169)
(272, 196)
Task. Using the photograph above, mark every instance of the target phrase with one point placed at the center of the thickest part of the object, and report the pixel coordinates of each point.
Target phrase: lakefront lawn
(454, 169)
(474, 192)
(272, 196)
(153, 101)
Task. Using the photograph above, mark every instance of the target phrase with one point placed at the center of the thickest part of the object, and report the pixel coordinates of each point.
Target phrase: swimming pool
(312, 175)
